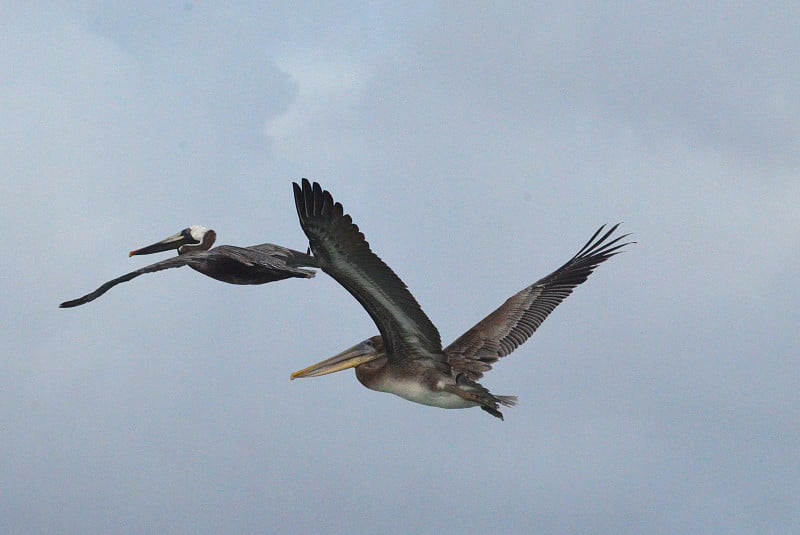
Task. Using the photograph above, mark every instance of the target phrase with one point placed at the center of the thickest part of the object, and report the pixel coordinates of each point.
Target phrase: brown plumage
(513, 322)
(257, 264)
(407, 358)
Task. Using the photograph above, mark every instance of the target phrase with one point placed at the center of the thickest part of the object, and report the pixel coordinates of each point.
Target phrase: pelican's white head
(198, 232)
(194, 238)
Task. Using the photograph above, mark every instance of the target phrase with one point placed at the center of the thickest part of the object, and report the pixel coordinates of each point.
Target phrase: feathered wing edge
(511, 324)
(344, 254)
(280, 259)
(158, 266)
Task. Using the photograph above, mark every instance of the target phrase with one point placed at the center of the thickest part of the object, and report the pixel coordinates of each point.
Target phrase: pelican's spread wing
(158, 266)
(256, 264)
(344, 254)
(274, 256)
(502, 331)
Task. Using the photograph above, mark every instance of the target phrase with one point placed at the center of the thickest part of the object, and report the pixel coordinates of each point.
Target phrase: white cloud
(328, 89)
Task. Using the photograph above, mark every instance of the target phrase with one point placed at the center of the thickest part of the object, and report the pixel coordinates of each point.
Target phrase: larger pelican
(257, 264)
(407, 358)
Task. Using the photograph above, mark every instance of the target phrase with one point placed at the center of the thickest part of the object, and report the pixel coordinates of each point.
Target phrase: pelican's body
(257, 264)
(420, 381)
(407, 358)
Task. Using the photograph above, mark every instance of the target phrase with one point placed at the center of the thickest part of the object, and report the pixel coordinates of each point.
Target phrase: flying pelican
(257, 264)
(407, 358)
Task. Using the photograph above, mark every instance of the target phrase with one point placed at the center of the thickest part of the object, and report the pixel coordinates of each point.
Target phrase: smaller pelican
(406, 358)
(257, 264)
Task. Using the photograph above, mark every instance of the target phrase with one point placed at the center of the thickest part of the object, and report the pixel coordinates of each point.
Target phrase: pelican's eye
(187, 233)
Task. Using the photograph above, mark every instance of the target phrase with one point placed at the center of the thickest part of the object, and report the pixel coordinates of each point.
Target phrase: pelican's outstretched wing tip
(346, 256)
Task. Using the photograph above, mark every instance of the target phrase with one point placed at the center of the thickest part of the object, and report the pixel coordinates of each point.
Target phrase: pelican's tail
(298, 259)
(506, 401)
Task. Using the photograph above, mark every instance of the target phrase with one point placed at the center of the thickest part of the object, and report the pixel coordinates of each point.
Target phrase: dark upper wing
(272, 255)
(256, 264)
(158, 266)
(344, 254)
(502, 331)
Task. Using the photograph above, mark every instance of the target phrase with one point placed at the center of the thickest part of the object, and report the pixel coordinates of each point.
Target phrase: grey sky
(477, 148)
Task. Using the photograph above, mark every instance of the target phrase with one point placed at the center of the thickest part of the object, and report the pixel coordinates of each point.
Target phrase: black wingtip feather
(332, 234)
(513, 322)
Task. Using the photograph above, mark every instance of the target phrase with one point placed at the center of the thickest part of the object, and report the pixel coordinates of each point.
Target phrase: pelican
(407, 358)
(257, 264)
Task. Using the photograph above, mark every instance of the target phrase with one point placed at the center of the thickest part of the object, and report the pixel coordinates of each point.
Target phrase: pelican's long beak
(356, 355)
(173, 242)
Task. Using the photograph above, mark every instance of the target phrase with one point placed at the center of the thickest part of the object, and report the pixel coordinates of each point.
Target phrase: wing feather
(511, 324)
(264, 255)
(344, 254)
(169, 263)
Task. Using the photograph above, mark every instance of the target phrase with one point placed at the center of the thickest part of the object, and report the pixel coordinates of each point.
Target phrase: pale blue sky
(477, 147)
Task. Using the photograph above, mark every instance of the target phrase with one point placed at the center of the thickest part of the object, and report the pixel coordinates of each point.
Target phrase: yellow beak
(350, 358)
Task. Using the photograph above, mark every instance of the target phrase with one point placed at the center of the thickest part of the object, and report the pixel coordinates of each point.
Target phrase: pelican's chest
(423, 385)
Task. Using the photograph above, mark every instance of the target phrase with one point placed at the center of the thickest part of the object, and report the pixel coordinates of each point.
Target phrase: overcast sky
(477, 147)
